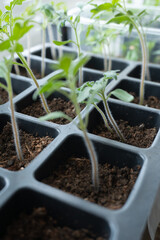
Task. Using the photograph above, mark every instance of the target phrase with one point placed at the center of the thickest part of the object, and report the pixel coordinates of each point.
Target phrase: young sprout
(13, 29)
(99, 37)
(69, 70)
(74, 23)
(89, 90)
(132, 20)
(5, 69)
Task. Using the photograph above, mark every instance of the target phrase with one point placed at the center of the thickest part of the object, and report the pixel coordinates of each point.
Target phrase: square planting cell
(34, 138)
(36, 67)
(69, 52)
(69, 169)
(152, 92)
(56, 102)
(98, 63)
(153, 73)
(139, 127)
(48, 218)
(17, 85)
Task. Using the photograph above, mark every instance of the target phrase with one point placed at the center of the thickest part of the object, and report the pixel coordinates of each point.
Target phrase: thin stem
(60, 48)
(94, 162)
(90, 148)
(50, 33)
(13, 120)
(103, 116)
(105, 58)
(43, 53)
(44, 103)
(28, 47)
(110, 60)
(111, 119)
(16, 68)
(143, 73)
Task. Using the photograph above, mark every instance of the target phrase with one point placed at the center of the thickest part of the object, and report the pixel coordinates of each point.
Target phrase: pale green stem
(90, 148)
(111, 119)
(103, 116)
(44, 103)
(144, 57)
(13, 120)
(110, 60)
(43, 53)
(105, 58)
(16, 68)
(50, 33)
(28, 48)
(60, 48)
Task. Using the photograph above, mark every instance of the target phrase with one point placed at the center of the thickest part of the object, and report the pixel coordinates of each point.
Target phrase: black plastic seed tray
(24, 189)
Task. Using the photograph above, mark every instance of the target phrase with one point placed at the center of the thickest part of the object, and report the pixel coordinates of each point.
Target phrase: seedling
(101, 38)
(132, 20)
(13, 29)
(89, 90)
(74, 23)
(5, 69)
(69, 69)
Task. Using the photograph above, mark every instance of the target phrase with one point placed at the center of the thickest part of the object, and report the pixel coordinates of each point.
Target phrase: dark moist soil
(24, 73)
(3, 96)
(31, 147)
(55, 104)
(74, 176)
(38, 225)
(151, 101)
(138, 136)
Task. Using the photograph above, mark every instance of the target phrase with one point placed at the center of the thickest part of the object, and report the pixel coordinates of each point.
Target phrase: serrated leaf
(119, 19)
(122, 95)
(55, 115)
(102, 7)
(18, 47)
(20, 29)
(77, 63)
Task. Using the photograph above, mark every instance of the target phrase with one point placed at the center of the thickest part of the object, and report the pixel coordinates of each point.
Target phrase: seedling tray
(24, 189)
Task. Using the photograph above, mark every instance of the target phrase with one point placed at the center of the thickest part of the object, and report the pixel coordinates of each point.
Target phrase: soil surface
(74, 176)
(24, 73)
(55, 104)
(3, 96)
(31, 146)
(151, 101)
(38, 225)
(138, 136)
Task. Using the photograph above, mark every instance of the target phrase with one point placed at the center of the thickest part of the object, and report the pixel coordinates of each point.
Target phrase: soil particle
(139, 136)
(31, 146)
(24, 73)
(38, 225)
(74, 176)
(151, 101)
(55, 104)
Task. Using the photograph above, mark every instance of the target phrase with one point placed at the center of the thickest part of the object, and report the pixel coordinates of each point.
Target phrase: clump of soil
(31, 146)
(74, 176)
(55, 104)
(39, 225)
(151, 101)
(139, 136)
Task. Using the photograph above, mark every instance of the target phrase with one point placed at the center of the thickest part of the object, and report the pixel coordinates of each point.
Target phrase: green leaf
(65, 63)
(122, 95)
(77, 19)
(102, 7)
(142, 13)
(56, 115)
(130, 28)
(8, 8)
(77, 63)
(60, 43)
(115, 1)
(3, 86)
(18, 47)
(120, 19)
(5, 45)
(20, 29)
